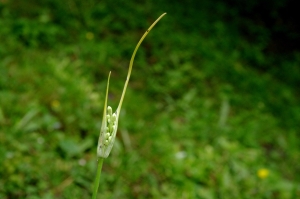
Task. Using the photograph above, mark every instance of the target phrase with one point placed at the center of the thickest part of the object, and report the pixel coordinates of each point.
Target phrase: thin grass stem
(97, 180)
(132, 59)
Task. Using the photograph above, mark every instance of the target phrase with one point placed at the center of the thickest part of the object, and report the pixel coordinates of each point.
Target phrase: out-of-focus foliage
(211, 110)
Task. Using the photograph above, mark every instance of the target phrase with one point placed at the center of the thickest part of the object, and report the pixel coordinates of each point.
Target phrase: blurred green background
(212, 109)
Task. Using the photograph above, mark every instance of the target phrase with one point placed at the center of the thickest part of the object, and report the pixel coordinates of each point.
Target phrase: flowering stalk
(110, 119)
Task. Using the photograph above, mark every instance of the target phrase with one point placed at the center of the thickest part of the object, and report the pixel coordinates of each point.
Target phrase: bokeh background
(212, 109)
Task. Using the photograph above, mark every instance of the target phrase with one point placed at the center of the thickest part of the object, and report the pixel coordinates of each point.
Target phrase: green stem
(97, 180)
(132, 59)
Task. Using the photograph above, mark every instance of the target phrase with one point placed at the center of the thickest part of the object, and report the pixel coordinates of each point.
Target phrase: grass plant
(110, 120)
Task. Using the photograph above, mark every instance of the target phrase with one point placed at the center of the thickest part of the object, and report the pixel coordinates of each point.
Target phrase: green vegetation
(210, 112)
(110, 120)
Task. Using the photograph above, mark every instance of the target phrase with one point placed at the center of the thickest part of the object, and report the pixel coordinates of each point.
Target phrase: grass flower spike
(110, 120)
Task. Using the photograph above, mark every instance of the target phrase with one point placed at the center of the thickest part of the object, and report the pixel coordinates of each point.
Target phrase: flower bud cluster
(110, 126)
